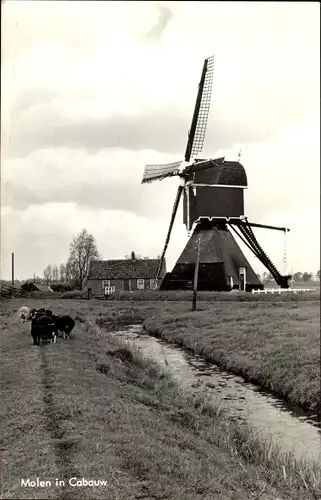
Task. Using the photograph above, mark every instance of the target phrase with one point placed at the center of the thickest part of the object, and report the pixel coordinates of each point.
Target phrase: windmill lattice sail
(158, 172)
(204, 109)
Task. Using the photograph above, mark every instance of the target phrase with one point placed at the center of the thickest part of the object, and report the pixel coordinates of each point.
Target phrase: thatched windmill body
(213, 202)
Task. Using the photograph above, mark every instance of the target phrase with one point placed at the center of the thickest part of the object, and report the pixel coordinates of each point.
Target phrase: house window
(105, 283)
(153, 284)
(140, 284)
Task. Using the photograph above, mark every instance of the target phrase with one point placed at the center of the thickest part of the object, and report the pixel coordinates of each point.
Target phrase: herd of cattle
(45, 325)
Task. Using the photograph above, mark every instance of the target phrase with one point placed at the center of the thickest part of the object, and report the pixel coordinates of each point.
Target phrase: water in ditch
(287, 425)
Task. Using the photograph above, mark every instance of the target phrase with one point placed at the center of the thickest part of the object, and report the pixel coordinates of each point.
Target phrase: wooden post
(196, 274)
(12, 269)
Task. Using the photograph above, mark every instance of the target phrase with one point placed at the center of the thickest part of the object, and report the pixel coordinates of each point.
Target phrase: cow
(33, 313)
(24, 313)
(43, 327)
(64, 324)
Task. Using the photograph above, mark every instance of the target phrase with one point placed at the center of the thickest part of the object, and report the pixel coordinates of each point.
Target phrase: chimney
(133, 256)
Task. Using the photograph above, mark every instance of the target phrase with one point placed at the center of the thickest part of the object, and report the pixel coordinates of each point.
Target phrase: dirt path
(35, 444)
(27, 441)
(63, 448)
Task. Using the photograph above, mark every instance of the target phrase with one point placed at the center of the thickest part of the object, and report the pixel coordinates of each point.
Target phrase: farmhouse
(124, 274)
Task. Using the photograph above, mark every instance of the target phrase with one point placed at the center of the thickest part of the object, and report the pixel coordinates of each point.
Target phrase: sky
(92, 91)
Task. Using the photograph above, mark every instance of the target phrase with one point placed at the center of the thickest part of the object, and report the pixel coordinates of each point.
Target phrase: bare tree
(68, 272)
(50, 272)
(82, 250)
(62, 273)
(47, 274)
(55, 273)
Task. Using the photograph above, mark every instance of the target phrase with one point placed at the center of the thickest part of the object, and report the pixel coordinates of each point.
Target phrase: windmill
(213, 200)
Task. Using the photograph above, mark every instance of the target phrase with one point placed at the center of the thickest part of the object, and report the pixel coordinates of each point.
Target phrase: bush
(75, 294)
(61, 287)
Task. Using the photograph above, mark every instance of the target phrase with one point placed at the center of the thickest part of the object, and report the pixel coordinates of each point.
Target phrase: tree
(267, 276)
(82, 250)
(318, 275)
(55, 273)
(306, 276)
(297, 276)
(47, 274)
(62, 273)
(68, 276)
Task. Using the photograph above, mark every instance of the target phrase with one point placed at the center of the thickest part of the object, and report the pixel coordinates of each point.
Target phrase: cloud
(128, 94)
(90, 93)
(71, 189)
(44, 235)
(154, 35)
(110, 179)
(281, 172)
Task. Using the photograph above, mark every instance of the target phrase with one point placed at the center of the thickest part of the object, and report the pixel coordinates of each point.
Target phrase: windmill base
(221, 261)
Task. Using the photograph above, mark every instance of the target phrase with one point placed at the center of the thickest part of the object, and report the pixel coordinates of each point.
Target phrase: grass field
(91, 408)
(275, 345)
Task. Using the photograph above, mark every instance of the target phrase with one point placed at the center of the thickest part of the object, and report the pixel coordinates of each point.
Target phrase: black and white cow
(43, 327)
(33, 313)
(64, 324)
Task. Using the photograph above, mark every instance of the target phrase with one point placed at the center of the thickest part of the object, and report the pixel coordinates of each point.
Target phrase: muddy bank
(277, 348)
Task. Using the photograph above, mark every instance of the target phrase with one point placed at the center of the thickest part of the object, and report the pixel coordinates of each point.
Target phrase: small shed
(124, 274)
(29, 286)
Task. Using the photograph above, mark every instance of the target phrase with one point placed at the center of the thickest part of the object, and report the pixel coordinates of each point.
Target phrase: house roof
(30, 286)
(125, 269)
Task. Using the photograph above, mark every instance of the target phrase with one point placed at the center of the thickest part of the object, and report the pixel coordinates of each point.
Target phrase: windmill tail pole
(196, 274)
(175, 207)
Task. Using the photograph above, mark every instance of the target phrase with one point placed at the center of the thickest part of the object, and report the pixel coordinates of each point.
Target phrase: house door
(242, 275)
(126, 285)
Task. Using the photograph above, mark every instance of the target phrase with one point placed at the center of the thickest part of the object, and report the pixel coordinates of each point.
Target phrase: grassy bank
(98, 410)
(275, 346)
(186, 296)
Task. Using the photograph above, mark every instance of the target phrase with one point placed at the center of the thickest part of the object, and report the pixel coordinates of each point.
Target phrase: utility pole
(196, 273)
(12, 269)
(285, 255)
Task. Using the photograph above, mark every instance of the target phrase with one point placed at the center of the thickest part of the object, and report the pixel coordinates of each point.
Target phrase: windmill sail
(174, 211)
(199, 122)
(158, 172)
